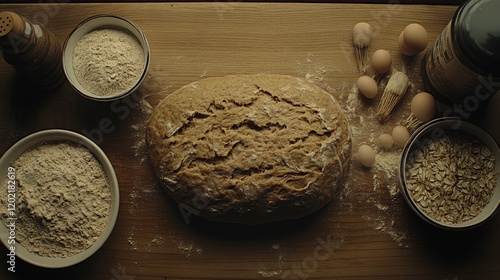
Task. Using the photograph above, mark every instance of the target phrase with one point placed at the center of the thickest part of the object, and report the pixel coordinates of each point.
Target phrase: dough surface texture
(250, 149)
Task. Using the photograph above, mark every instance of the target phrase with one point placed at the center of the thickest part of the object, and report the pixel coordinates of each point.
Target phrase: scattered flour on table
(156, 241)
(312, 70)
(189, 248)
(145, 107)
(143, 188)
(273, 273)
(387, 226)
(386, 165)
(63, 199)
(365, 128)
(131, 242)
(152, 86)
(138, 129)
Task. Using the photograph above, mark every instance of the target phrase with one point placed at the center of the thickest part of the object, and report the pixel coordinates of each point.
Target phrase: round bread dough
(250, 149)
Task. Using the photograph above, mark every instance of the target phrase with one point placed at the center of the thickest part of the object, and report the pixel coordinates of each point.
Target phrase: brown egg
(366, 155)
(385, 141)
(404, 49)
(400, 134)
(414, 39)
(367, 86)
(423, 106)
(381, 61)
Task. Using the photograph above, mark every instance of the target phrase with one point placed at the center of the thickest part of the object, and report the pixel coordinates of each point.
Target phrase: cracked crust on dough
(250, 149)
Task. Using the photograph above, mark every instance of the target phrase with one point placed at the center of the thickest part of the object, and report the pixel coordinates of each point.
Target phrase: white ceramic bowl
(60, 135)
(435, 127)
(99, 22)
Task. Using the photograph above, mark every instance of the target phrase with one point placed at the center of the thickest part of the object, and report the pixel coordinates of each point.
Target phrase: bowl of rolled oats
(449, 173)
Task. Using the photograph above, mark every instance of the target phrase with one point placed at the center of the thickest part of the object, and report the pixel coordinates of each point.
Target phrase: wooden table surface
(367, 232)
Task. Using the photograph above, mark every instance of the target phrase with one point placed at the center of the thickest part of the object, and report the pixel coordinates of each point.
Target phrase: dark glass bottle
(463, 66)
(33, 50)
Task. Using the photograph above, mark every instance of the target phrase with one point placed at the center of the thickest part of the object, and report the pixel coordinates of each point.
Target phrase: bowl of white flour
(106, 57)
(59, 199)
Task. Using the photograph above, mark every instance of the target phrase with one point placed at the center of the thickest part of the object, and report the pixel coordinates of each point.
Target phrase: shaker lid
(11, 30)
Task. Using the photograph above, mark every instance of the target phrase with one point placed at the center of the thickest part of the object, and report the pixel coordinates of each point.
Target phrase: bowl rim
(131, 27)
(458, 124)
(52, 135)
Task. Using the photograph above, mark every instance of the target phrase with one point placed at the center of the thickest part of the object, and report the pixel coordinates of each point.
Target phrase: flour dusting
(383, 176)
(273, 273)
(189, 248)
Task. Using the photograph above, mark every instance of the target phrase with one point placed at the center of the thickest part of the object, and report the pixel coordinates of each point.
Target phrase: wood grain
(367, 232)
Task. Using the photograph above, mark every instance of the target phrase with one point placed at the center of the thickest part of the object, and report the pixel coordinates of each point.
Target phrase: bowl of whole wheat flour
(59, 198)
(106, 57)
